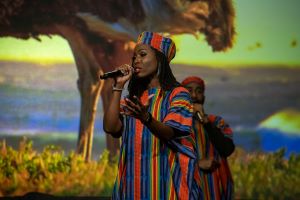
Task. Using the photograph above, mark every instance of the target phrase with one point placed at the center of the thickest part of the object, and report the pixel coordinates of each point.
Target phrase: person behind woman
(157, 156)
(214, 144)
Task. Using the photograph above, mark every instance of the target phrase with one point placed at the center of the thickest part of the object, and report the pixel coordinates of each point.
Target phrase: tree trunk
(116, 54)
(112, 144)
(89, 93)
(91, 57)
(89, 87)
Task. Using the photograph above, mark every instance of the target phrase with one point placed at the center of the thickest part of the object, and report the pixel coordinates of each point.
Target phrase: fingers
(148, 100)
(204, 164)
(214, 165)
(126, 69)
(126, 74)
(127, 113)
(140, 103)
(199, 108)
(136, 105)
(126, 110)
(208, 164)
(136, 108)
(196, 107)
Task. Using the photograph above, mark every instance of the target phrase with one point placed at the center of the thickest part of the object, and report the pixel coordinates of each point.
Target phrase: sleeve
(220, 135)
(220, 123)
(180, 111)
(179, 117)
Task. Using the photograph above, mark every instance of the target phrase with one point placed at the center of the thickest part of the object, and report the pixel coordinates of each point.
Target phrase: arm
(175, 122)
(139, 111)
(223, 144)
(111, 120)
(178, 121)
(159, 129)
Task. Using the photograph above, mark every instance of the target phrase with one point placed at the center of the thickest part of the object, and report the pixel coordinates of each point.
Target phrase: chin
(141, 75)
(138, 75)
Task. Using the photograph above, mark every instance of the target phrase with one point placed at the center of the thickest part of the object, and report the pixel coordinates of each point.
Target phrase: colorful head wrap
(159, 42)
(194, 79)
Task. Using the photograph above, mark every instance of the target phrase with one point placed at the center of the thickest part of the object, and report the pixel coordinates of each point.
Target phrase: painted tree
(100, 34)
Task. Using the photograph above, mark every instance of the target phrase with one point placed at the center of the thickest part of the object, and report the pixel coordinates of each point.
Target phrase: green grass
(65, 141)
(23, 170)
(53, 172)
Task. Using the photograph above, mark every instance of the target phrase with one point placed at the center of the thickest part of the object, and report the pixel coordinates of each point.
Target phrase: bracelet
(116, 89)
(148, 120)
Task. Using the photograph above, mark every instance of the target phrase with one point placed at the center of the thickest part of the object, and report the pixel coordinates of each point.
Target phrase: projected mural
(52, 53)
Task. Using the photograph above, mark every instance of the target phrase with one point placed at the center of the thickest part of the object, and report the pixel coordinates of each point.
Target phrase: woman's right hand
(127, 71)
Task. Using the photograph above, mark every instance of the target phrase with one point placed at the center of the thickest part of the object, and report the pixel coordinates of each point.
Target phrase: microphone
(199, 117)
(115, 73)
(112, 74)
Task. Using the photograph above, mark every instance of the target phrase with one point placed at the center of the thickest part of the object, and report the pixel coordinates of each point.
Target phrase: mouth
(137, 70)
(196, 101)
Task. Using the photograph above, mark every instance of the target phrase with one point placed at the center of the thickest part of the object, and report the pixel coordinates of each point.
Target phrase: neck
(154, 83)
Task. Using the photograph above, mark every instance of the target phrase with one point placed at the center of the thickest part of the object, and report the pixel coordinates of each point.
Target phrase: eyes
(197, 90)
(139, 54)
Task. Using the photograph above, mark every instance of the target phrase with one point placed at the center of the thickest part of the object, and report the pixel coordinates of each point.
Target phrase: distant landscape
(38, 100)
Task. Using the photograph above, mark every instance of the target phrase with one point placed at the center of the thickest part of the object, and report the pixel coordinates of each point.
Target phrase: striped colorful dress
(150, 168)
(217, 184)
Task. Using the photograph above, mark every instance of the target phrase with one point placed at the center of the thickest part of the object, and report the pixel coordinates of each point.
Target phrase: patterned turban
(193, 79)
(159, 42)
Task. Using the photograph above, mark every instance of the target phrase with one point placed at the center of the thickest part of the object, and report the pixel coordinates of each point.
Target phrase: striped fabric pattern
(218, 184)
(157, 41)
(150, 168)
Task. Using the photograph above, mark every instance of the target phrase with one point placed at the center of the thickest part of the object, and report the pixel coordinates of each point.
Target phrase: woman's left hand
(136, 109)
(208, 164)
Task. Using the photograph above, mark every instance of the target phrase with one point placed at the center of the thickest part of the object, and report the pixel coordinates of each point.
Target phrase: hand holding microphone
(120, 76)
(199, 116)
(111, 74)
(199, 113)
(121, 71)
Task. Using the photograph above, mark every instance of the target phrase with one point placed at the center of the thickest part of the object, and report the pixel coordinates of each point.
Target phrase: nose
(136, 60)
(193, 94)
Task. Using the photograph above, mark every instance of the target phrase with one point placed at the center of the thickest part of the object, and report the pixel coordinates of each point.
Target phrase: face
(197, 92)
(144, 61)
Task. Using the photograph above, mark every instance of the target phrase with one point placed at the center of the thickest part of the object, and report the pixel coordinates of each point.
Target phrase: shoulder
(215, 118)
(179, 91)
(219, 122)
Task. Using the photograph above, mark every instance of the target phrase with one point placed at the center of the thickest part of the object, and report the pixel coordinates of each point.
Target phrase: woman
(157, 157)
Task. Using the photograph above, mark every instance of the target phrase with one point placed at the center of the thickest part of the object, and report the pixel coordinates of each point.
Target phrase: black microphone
(112, 74)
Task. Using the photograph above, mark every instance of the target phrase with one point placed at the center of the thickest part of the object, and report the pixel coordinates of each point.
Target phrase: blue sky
(268, 33)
